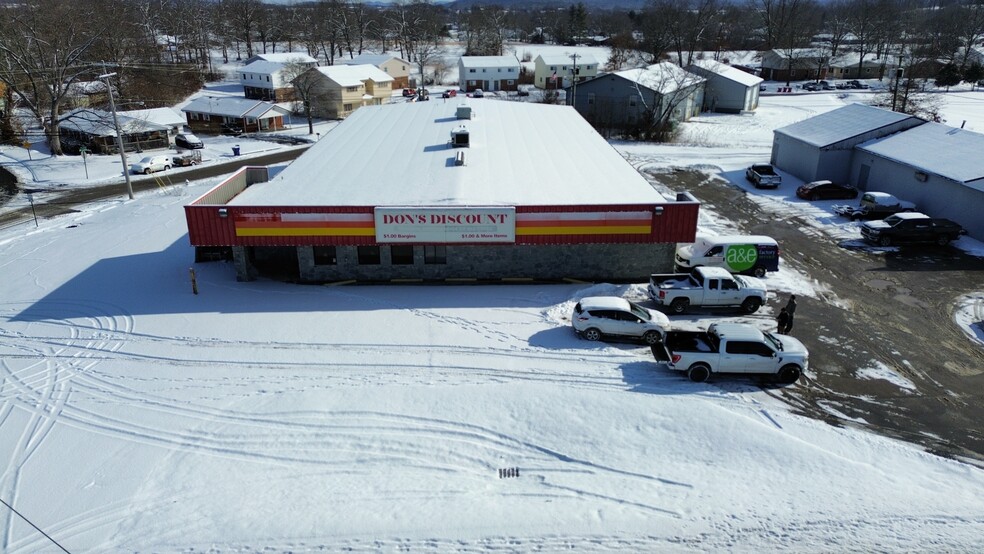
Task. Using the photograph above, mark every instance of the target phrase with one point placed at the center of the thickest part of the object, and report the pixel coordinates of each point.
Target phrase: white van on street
(744, 254)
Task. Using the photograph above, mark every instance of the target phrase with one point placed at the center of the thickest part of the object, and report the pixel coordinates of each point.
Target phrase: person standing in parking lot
(782, 321)
(790, 310)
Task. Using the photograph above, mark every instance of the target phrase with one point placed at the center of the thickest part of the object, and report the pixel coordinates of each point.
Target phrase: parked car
(707, 286)
(408, 92)
(522, 92)
(477, 93)
(449, 93)
(826, 190)
(188, 140)
(825, 85)
(812, 87)
(732, 348)
(908, 227)
(151, 164)
(763, 176)
(231, 129)
(854, 83)
(188, 158)
(595, 317)
(874, 205)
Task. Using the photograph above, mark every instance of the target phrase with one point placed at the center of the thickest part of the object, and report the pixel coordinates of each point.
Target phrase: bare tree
(243, 17)
(305, 80)
(43, 52)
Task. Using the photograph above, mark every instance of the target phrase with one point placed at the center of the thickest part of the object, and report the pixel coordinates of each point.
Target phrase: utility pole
(574, 80)
(119, 136)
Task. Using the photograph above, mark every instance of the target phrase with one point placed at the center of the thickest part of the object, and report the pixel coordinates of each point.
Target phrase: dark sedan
(826, 190)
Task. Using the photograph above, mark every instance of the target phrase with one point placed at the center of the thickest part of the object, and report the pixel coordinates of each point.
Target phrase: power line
(53, 541)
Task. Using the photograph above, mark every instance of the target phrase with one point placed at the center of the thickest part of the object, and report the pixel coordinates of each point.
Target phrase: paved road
(64, 201)
(894, 307)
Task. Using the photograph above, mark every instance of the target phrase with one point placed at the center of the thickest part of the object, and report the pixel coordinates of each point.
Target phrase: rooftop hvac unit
(459, 137)
(464, 112)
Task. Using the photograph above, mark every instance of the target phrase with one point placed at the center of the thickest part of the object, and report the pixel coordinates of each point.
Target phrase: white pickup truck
(708, 287)
(732, 348)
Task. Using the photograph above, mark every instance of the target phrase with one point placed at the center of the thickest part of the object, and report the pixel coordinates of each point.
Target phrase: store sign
(445, 225)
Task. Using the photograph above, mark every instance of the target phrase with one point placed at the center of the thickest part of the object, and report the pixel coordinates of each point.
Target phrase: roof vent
(459, 158)
(464, 112)
(459, 137)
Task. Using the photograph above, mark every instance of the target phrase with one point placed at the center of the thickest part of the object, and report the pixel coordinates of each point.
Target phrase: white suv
(152, 164)
(597, 316)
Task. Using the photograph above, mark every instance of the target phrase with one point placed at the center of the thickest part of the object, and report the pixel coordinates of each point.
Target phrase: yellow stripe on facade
(610, 230)
(305, 232)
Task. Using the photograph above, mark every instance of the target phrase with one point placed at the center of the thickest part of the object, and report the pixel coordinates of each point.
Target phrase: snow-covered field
(138, 416)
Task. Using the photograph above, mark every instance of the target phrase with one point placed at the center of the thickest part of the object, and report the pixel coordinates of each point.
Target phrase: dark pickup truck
(910, 227)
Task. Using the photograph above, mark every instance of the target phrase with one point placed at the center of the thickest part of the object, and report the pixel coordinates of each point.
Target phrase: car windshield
(772, 339)
(638, 310)
(147, 160)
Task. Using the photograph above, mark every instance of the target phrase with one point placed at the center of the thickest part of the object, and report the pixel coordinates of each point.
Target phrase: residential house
(637, 97)
(95, 130)
(489, 73)
(822, 147)
(556, 71)
(396, 67)
(83, 94)
(338, 90)
(171, 118)
(797, 64)
(936, 166)
(283, 57)
(208, 114)
(727, 90)
(846, 66)
(270, 80)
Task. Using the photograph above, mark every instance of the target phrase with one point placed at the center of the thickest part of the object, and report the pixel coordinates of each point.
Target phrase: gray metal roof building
(821, 147)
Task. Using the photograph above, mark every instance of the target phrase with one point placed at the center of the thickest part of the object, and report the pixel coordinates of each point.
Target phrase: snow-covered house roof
(283, 57)
(663, 77)
(168, 117)
(373, 59)
(399, 155)
(489, 61)
(841, 124)
(354, 75)
(99, 123)
(935, 148)
(728, 72)
(566, 59)
(263, 67)
(234, 107)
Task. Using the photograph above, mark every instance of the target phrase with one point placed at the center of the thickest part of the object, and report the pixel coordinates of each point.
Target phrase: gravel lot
(889, 306)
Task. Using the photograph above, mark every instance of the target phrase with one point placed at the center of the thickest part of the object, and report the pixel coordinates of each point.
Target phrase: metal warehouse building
(822, 146)
(455, 189)
(938, 167)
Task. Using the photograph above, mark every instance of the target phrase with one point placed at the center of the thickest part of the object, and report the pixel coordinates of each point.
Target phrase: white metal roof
(399, 155)
(841, 124)
(934, 148)
(354, 75)
(663, 77)
(729, 72)
(489, 61)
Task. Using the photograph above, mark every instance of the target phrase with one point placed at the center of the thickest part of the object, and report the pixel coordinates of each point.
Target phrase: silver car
(595, 317)
(152, 164)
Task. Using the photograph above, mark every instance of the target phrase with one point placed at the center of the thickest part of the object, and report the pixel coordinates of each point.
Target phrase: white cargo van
(745, 254)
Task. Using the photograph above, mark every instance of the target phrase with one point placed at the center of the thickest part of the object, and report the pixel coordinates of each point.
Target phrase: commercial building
(822, 146)
(453, 189)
